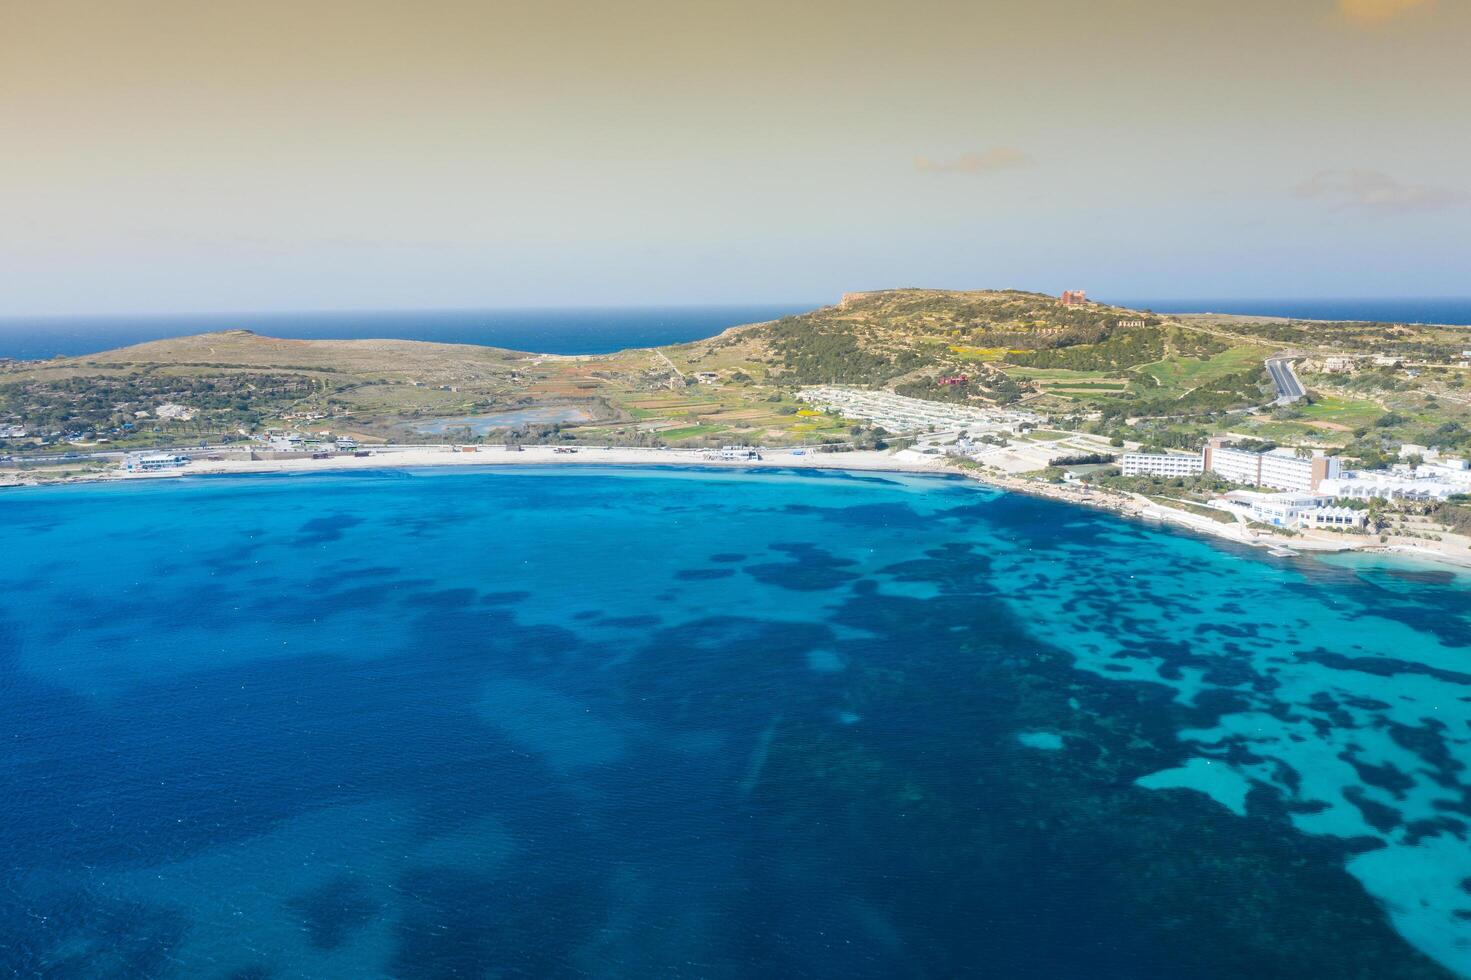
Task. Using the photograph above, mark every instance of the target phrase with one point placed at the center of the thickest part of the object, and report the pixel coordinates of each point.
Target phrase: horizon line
(395, 310)
(9, 318)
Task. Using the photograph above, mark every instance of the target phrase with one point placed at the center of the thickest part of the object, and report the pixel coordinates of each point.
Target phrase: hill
(1000, 348)
(1126, 374)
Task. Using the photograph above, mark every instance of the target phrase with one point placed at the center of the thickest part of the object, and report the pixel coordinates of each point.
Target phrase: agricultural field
(979, 354)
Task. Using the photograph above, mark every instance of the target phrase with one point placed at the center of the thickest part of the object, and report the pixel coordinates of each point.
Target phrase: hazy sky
(259, 154)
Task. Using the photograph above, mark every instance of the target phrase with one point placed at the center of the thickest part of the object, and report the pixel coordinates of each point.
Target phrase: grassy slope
(1181, 374)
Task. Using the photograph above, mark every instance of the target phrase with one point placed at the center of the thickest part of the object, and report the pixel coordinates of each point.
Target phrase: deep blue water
(585, 331)
(676, 722)
(1451, 310)
(546, 331)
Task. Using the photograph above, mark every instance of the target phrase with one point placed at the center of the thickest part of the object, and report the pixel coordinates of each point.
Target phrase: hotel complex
(1282, 469)
(1310, 483)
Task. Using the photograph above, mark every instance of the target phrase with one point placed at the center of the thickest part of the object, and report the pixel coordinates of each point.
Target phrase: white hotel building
(1444, 476)
(1161, 464)
(1293, 510)
(1282, 469)
(153, 462)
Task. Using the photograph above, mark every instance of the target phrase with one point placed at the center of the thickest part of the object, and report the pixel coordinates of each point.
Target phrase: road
(1289, 389)
(676, 370)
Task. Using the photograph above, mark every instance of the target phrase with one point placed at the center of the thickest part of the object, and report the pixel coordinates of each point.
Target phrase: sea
(546, 331)
(1454, 311)
(684, 722)
(584, 330)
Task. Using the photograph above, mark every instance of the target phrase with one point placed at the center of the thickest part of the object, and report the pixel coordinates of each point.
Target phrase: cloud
(992, 160)
(1370, 190)
(1371, 13)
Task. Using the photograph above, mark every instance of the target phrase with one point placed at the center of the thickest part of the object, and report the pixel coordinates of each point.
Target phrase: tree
(1375, 515)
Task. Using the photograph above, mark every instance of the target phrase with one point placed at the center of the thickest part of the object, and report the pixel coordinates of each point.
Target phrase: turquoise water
(632, 723)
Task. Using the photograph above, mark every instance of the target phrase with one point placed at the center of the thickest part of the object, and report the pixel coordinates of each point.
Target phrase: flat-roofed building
(1277, 509)
(152, 462)
(1344, 518)
(1445, 468)
(1281, 469)
(1161, 464)
(1368, 484)
(1284, 469)
(1236, 465)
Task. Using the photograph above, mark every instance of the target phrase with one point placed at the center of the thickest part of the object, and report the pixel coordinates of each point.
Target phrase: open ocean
(585, 331)
(582, 721)
(1452, 310)
(545, 331)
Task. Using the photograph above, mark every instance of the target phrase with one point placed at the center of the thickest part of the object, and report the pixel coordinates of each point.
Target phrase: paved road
(1289, 389)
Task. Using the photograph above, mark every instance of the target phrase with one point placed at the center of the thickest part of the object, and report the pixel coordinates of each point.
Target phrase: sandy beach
(1451, 550)
(533, 455)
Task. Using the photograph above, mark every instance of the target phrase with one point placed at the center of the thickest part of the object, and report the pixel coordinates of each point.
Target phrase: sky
(172, 155)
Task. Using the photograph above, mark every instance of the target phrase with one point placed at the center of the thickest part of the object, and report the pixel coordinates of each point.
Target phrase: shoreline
(1131, 507)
